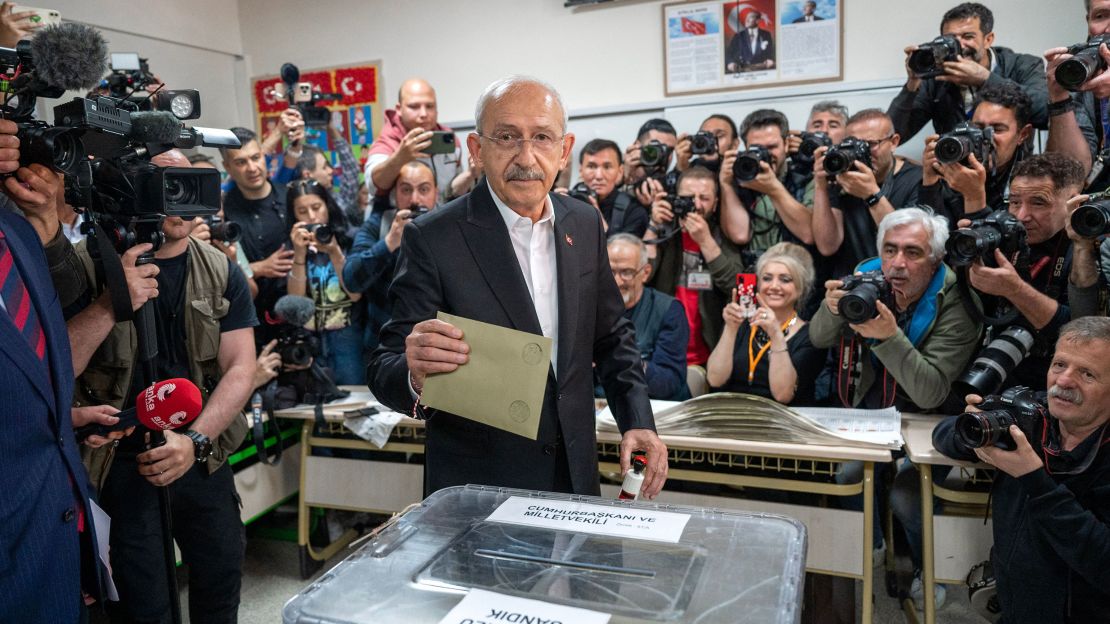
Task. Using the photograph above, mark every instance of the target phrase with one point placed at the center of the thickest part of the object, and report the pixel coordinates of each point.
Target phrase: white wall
(598, 57)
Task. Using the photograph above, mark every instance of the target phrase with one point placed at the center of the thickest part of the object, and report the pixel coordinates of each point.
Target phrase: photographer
(406, 133)
(1050, 501)
(695, 264)
(1085, 281)
(373, 257)
(768, 208)
(974, 188)
(725, 139)
(1074, 119)
(828, 117)
(314, 164)
(947, 99)
(319, 238)
(637, 177)
(1039, 193)
(847, 208)
(600, 167)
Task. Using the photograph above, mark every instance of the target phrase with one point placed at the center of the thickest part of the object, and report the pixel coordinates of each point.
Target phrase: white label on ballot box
(483, 607)
(618, 520)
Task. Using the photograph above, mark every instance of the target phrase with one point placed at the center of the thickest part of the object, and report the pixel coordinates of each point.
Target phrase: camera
(839, 159)
(747, 164)
(703, 143)
(681, 205)
(129, 80)
(998, 230)
(414, 212)
(991, 427)
(223, 230)
(995, 362)
(966, 139)
(810, 142)
(582, 192)
(1093, 217)
(302, 97)
(296, 345)
(928, 60)
(865, 291)
(655, 155)
(1084, 64)
(323, 232)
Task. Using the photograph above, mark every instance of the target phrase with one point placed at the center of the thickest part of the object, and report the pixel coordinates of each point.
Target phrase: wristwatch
(874, 199)
(202, 446)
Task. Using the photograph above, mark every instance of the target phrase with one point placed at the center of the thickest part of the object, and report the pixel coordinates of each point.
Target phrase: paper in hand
(503, 383)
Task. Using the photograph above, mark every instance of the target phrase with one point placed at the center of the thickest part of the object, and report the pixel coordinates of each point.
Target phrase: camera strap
(263, 401)
(110, 273)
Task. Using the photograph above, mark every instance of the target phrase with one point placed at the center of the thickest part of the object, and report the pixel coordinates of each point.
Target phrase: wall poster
(736, 44)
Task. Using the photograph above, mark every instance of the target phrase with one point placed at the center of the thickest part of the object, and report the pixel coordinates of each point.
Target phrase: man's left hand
(766, 182)
(163, 465)
(881, 327)
(1003, 281)
(859, 182)
(697, 227)
(646, 440)
(970, 181)
(965, 72)
(1016, 463)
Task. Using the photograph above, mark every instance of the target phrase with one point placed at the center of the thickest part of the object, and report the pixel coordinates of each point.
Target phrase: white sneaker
(917, 592)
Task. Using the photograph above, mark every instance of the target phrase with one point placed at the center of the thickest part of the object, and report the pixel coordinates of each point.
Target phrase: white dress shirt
(534, 245)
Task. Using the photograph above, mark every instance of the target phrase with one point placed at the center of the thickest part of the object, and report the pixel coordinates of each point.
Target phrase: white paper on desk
(103, 524)
(881, 426)
(480, 606)
(606, 414)
(375, 428)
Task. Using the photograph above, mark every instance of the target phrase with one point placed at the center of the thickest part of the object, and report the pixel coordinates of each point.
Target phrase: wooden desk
(968, 538)
(343, 484)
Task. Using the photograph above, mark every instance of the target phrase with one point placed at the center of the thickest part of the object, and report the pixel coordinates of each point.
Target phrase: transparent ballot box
(638, 561)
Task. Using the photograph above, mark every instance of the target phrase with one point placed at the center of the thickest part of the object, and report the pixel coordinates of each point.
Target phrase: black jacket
(1051, 532)
(459, 259)
(942, 104)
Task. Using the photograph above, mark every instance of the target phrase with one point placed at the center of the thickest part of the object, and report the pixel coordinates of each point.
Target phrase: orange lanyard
(754, 358)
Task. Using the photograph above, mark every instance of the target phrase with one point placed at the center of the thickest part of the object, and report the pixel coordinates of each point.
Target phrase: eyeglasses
(627, 274)
(303, 184)
(875, 144)
(510, 141)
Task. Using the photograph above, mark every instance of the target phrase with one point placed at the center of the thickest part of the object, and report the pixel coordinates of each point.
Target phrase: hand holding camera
(413, 145)
(734, 313)
(291, 125)
(697, 227)
(859, 181)
(661, 211)
(1080, 67)
(683, 151)
(397, 229)
(964, 71)
(1001, 281)
(267, 365)
(998, 429)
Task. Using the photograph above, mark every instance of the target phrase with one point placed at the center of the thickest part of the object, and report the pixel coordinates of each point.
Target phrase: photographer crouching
(1050, 501)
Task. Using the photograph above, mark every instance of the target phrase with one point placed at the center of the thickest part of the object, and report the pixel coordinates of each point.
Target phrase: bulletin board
(713, 46)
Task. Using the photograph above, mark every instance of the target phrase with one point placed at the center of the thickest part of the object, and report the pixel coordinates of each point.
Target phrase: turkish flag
(693, 27)
(266, 99)
(359, 85)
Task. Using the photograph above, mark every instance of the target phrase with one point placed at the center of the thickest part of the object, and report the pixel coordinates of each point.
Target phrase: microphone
(154, 127)
(294, 310)
(169, 404)
(69, 56)
(290, 74)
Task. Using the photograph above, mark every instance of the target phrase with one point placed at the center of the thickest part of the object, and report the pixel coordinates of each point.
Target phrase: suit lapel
(12, 343)
(485, 234)
(568, 274)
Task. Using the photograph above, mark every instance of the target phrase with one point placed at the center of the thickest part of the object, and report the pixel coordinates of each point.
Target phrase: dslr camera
(296, 345)
(1092, 219)
(810, 142)
(991, 427)
(302, 97)
(1084, 64)
(840, 158)
(998, 230)
(323, 232)
(928, 60)
(865, 291)
(582, 192)
(747, 164)
(681, 205)
(654, 155)
(223, 230)
(995, 362)
(703, 143)
(966, 139)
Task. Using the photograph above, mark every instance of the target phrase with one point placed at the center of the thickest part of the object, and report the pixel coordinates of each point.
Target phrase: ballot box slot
(593, 567)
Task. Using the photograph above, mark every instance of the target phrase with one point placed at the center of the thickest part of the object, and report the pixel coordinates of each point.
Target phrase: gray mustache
(1071, 396)
(516, 172)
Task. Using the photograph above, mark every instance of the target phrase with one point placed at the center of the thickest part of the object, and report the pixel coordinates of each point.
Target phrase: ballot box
(524, 556)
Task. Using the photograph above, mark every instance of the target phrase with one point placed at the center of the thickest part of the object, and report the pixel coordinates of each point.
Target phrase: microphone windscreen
(154, 127)
(169, 404)
(294, 309)
(69, 55)
(290, 73)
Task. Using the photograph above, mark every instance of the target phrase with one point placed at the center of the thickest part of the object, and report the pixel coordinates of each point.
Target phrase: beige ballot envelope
(503, 383)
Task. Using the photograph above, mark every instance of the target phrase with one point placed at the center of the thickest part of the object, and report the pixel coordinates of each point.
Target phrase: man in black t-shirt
(600, 166)
(848, 208)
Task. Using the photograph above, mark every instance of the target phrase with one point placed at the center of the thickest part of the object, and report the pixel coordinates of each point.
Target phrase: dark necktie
(17, 301)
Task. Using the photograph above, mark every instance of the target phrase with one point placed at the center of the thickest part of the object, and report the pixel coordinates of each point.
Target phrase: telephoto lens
(995, 362)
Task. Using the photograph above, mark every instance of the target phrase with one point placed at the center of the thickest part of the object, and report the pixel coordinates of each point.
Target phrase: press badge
(699, 280)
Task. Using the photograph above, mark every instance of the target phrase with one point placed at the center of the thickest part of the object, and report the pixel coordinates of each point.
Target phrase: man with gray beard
(1051, 497)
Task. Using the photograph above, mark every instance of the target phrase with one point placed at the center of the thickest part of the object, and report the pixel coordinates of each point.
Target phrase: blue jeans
(343, 354)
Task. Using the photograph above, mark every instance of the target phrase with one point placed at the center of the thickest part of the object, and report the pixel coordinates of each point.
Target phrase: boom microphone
(154, 127)
(69, 56)
(294, 310)
(170, 404)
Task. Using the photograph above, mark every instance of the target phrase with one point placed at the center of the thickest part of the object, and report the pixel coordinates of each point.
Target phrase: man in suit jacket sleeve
(466, 258)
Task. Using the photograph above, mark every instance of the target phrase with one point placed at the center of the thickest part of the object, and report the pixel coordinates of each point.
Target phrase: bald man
(406, 134)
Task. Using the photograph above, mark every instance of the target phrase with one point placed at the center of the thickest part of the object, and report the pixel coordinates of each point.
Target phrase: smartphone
(745, 287)
(44, 17)
(442, 143)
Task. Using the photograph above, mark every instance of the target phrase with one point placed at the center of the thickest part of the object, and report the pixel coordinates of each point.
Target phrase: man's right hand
(1054, 57)
(413, 145)
(141, 282)
(631, 161)
(648, 190)
(1100, 84)
(833, 293)
(793, 141)
(277, 264)
(683, 151)
(661, 209)
(820, 176)
(913, 82)
(397, 229)
(434, 346)
(15, 26)
(36, 189)
(930, 168)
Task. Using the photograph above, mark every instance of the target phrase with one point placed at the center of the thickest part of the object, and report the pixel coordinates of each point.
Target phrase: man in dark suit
(513, 255)
(47, 542)
(809, 13)
(750, 49)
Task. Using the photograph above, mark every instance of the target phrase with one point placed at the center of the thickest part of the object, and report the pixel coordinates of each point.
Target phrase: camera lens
(651, 155)
(858, 306)
(1091, 220)
(979, 429)
(953, 149)
(1072, 73)
(746, 167)
(837, 162)
(324, 233)
(227, 231)
(181, 190)
(923, 60)
(1000, 357)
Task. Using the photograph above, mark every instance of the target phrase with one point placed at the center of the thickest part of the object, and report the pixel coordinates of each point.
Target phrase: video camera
(1084, 64)
(865, 291)
(998, 230)
(746, 167)
(964, 140)
(302, 97)
(131, 76)
(928, 60)
(841, 157)
(991, 427)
